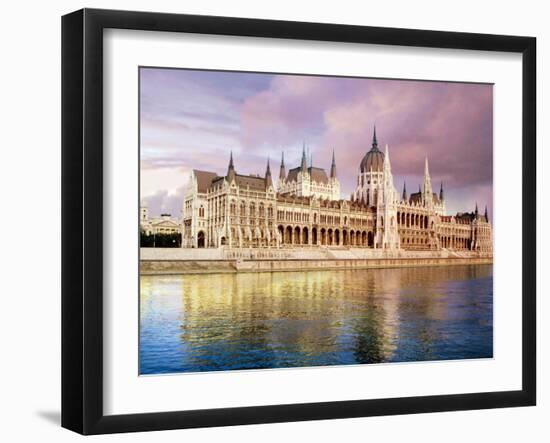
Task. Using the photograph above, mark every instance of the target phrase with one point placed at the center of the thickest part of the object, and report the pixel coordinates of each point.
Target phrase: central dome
(374, 159)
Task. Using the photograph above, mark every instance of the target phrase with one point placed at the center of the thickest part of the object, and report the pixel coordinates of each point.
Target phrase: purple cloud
(194, 118)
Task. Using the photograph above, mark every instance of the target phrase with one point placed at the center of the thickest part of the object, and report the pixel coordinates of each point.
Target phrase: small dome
(374, 159)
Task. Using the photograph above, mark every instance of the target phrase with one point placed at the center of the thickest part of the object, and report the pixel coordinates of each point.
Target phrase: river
(193, 323)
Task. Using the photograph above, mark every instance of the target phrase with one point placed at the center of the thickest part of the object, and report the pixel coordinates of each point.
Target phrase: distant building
(164, 224)
(306, 210)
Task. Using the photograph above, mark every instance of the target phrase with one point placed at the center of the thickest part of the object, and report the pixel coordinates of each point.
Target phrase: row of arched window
(406, 219)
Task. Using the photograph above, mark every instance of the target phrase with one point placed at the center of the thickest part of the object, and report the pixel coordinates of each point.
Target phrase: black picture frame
(82, 219)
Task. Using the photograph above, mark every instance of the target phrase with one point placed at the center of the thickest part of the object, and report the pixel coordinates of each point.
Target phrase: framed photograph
(269, 221)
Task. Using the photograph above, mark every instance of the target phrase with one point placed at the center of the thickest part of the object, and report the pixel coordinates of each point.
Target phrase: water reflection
(289, 319)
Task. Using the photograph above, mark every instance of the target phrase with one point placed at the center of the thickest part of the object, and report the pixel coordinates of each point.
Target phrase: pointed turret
(231, 168)
(404, 197)
(441, 192)
(428, 194)
(333, 166)
(268, 179)
(387, 164)
(282, 172)
(476, 212)
(486, 215)
(374, 141)
(303, 166)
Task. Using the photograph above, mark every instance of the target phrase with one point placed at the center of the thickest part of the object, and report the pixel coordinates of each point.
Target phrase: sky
(192, 119)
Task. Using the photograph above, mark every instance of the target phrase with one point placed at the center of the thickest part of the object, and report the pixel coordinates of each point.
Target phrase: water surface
(192, 323)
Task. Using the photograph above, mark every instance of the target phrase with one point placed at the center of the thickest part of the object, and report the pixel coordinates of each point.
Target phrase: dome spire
(333, 166)
(304, 160)
(373, 161)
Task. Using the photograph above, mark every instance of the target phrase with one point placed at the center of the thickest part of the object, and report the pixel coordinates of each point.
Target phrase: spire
(441, 192)
(268, 180)
(374, 141)
(404, 197)
(486, 215)
(333, 166)
(230, 168)
(477, 212)
(387, 164)
(282, 172)
(304, 160)
(426, 170)
(428, 194)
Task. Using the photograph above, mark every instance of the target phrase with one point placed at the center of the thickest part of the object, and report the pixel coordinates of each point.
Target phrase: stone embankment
(159, 261)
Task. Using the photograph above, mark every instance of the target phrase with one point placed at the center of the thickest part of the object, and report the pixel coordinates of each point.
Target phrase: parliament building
(305, 210)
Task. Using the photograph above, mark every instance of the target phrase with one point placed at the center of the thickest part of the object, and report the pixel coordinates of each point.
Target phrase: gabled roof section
(204, 180)
(253, 182)
(318, 175)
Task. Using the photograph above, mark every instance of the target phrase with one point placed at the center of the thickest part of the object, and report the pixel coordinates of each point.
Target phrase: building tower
(303, 177)
(230, 169)
(334, 184)
(268, 179)
(387, 234)
(282, 172)
(333, 166)
(427, 195)
(371, 171)
(375, 188)
(144, 212)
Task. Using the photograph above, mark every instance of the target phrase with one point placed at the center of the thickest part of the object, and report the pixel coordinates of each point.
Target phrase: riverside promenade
(166, 261)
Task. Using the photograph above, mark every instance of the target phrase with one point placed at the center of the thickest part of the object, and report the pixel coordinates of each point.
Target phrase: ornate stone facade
(305, 210)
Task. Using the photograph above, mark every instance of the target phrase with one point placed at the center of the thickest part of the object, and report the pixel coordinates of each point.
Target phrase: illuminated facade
(306, 210)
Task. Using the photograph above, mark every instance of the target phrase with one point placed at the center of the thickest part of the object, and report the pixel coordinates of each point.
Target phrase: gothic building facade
(305, 210)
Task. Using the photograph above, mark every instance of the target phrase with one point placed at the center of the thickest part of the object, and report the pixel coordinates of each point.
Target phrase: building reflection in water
(196, 323)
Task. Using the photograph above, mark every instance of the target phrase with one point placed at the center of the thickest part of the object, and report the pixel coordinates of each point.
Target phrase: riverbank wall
(179, 261)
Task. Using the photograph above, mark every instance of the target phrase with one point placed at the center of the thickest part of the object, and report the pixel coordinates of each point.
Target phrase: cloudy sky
(192, 120)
